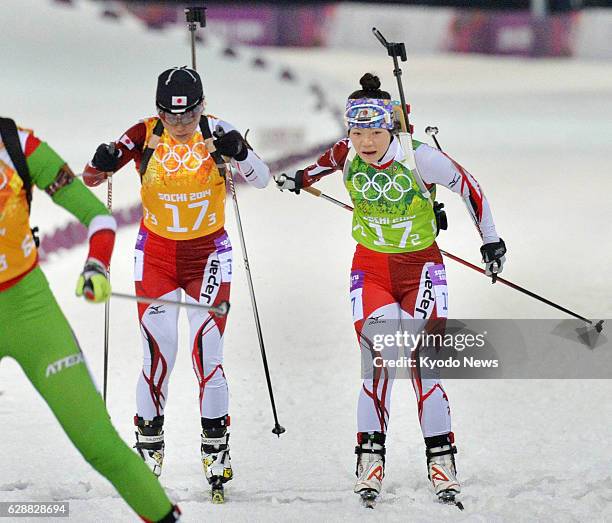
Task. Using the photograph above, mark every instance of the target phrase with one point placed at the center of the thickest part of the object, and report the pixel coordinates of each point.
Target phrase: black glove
(493, 254)
(290, 183)
(106, 158)
(231, 144)
(440, 214)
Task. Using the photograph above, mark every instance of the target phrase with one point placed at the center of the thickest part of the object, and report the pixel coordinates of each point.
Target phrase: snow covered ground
(536, 134)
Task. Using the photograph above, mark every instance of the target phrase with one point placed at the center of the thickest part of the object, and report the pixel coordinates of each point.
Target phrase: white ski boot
(370, 470)
(150, 442)
(215, 455)
(441, 468)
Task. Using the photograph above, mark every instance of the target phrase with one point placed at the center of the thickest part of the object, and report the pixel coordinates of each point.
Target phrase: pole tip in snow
(431, 130)
(599, 326)
(278, 430)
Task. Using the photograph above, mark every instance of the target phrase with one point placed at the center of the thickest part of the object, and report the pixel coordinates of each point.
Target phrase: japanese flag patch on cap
(178, 90)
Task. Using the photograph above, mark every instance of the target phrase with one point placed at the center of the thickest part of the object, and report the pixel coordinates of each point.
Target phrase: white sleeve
(439, 168)
(252, 169)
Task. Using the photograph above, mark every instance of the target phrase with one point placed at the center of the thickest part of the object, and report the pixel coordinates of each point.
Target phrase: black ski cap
(178, 90)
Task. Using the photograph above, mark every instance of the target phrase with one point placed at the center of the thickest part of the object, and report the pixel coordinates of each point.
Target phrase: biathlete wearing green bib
(398, 279)
(35, 332)
(397, 268)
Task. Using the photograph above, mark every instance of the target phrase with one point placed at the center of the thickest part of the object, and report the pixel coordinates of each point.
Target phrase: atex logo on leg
(64, 363)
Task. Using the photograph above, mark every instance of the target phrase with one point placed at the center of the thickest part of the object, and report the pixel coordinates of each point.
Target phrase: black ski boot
(150, 442)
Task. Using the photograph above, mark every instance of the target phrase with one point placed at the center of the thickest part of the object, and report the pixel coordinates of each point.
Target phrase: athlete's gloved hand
(106, 158)
(441, 219)
(93, 282)
(231, 144)
(493, 255)
(290, 183)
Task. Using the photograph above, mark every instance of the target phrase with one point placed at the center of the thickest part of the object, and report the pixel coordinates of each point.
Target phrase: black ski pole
(597, 325)
(433, 131)
(109, 206)
(218, 310)
(278, 429)
(197, 15)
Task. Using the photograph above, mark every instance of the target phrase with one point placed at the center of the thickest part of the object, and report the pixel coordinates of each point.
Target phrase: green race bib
(391, 214)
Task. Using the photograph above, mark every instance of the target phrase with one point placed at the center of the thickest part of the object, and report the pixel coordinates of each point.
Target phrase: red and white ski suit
(406, 291)
(182, 247)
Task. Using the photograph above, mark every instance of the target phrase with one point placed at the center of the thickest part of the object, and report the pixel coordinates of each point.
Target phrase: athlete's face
(371, 144)
(182, 130)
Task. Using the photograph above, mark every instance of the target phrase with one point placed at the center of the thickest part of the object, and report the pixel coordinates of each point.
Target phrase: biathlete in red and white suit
(398, 281)
(181, 245)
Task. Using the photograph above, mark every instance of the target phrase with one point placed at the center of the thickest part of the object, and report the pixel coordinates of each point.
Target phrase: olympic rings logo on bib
(381, 184)
(172, 158)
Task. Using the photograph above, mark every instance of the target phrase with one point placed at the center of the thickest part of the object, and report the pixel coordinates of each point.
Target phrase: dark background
(553, 5)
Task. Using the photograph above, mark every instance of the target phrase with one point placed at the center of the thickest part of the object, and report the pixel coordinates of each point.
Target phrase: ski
(217, 492)
(368, 498)
(448, 498)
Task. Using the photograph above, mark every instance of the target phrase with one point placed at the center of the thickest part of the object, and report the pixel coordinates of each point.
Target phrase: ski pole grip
(209, 145)
(312, 190)
(219, 132)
